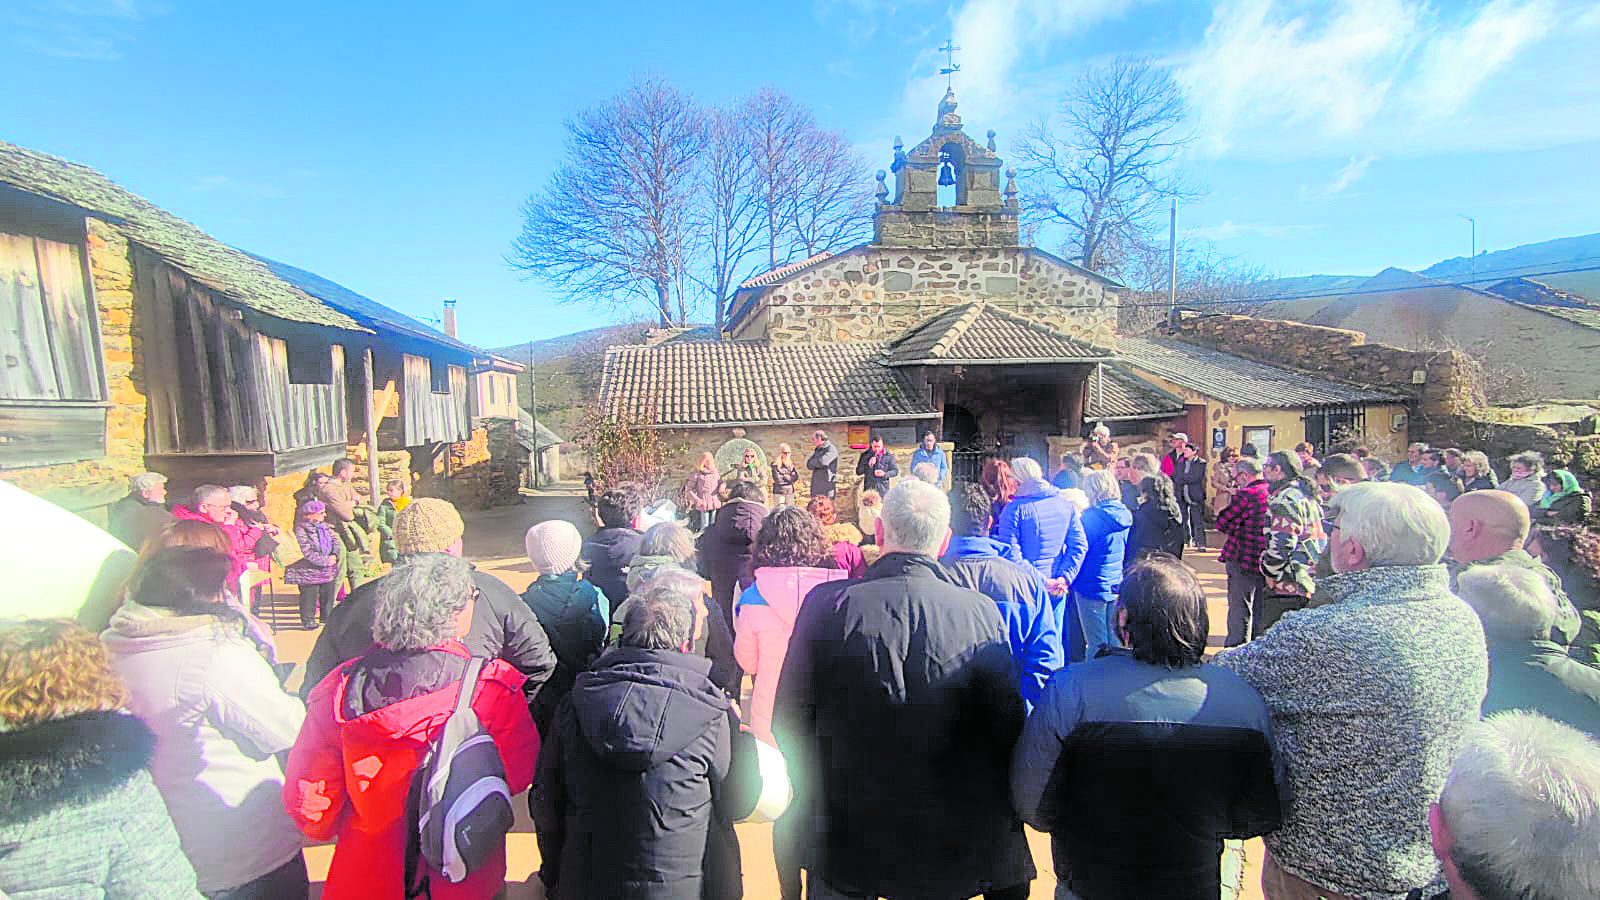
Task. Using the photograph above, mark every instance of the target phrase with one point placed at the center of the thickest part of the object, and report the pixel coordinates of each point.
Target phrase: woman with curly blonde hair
(79, 814)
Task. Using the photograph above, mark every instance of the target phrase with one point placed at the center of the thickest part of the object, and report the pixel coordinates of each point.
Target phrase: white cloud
(78, 29)
(1457, 63)
(1296, 78)
(1348, 174)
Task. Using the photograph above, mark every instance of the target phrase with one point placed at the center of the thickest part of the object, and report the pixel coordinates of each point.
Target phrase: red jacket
(1244, 520)
(242, 538)
(347, 778)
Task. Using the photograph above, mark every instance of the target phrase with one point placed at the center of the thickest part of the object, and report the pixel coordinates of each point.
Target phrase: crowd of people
(1410, 687)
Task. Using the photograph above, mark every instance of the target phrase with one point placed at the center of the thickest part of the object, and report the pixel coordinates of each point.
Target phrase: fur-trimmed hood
(69, 760)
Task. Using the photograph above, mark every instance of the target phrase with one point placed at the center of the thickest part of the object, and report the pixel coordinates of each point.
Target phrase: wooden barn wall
(427, 417)
(215, 385)
(301, 415)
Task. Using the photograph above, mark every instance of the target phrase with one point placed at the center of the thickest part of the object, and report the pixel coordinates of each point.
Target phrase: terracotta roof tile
(982, 334)
(747, 383)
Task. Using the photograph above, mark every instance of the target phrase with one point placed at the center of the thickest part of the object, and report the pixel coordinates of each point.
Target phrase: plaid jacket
(1244, 520)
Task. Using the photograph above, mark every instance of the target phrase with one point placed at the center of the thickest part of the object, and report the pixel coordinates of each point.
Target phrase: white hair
(418, 602)
(1522, 803)
(242, 493)
(1510, 600)
(925, 471)
(146, 481)
(916, 516)
(1395, 524)
(659, 614)
(1101, 431)
(211, 493)
(1101, 485)
(1026, 469)
(1248, 464)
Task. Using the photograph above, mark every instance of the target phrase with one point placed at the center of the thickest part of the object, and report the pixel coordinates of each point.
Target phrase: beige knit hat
(553, 546)
(427, 525)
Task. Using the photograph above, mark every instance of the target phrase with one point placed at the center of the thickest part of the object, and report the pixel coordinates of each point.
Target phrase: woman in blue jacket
(1094, 591)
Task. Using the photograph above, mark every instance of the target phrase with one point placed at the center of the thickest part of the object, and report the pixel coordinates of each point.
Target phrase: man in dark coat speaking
(897, 712)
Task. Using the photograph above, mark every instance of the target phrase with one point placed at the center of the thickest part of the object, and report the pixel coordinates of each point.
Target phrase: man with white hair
(1371, 697)
(645, 767)
(1042, 529)
(142, 514)
(1527, 670)
(1519, 816)
(897, 711)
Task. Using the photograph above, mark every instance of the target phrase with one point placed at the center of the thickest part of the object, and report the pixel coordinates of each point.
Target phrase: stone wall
(932, 229)
(1442, 386)
(96, 481)
(877, 293)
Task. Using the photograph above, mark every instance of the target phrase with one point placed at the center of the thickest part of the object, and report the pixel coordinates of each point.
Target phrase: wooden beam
(370, 422)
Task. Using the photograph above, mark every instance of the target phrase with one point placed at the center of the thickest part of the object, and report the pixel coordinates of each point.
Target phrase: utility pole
(1172, 266)
(1474, 258)
(533, 413)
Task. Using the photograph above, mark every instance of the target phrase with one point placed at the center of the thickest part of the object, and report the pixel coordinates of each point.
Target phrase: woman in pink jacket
(790, 558)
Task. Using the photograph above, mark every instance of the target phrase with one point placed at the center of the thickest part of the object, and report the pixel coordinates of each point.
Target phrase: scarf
(1569, 487)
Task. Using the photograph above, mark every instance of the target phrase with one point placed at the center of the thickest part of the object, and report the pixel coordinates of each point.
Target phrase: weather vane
(950, 68)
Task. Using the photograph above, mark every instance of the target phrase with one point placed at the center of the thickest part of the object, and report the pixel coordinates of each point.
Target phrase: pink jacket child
(762, 625)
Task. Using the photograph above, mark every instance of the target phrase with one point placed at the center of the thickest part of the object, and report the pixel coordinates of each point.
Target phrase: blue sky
(389, 148)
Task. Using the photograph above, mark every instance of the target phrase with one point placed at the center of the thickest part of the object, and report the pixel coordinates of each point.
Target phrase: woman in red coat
(370, 722)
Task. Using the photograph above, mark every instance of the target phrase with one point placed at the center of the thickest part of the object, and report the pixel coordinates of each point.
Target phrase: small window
(47, 323)
(309, 364)
(438, 377)
(494, 382)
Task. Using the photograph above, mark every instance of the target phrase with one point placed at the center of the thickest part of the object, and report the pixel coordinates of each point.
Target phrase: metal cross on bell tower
(950, 68)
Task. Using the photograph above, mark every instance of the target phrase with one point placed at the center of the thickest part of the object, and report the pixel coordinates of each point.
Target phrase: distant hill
(1567, 252)
(569, 367)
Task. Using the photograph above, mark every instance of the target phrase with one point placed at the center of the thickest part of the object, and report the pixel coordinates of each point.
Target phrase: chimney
(449, 317)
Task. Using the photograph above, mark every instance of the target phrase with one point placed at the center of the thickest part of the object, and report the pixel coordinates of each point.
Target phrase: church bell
(947, 174)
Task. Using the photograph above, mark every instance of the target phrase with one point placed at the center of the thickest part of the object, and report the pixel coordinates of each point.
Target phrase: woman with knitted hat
(316, 573)
(572, 611)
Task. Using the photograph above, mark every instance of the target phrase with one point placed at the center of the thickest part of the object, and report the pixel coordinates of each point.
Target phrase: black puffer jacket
(1154, 528)
(639, 782)
(898, 705)
(724, 550)
(608, 553)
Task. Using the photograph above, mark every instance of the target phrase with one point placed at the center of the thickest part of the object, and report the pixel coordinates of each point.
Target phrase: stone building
(132, 340)
(944, 320)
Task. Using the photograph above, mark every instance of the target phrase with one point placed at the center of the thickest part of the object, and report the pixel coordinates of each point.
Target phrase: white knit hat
(553, 546)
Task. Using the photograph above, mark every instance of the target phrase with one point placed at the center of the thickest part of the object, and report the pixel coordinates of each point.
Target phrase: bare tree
(612, 227)
(731, 216)
(1207, 280)
(833, 206)
(1111, 169)
(778, 127)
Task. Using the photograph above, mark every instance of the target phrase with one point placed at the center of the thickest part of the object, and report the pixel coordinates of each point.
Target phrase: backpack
(458, 810)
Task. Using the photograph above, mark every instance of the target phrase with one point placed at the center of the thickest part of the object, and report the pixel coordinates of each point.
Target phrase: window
(1259, 437)
(1329, 425)
(309, 364)
(438, 377)
(47, 323)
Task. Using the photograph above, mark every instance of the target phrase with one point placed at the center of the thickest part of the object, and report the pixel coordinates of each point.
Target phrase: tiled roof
(982, 334)
(233, 274)
(527, 429)
(365, 310)
(773, 276)
(1239, 381)
(1124, 395)
(750, 383)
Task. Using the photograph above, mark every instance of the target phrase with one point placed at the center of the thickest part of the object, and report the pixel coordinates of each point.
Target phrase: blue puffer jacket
(1043, 530)
(1030, 613)
(1105, 526)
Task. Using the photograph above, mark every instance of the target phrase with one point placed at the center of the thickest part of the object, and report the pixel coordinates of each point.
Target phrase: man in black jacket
(876, 466)
(897, 710)
(724, 548)
(823, 463)
(1189, 477)
(502, 625)
(1142, 762)
(645, 769)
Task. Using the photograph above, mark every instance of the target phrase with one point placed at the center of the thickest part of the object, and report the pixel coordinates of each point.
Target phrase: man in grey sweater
(1371, 698)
